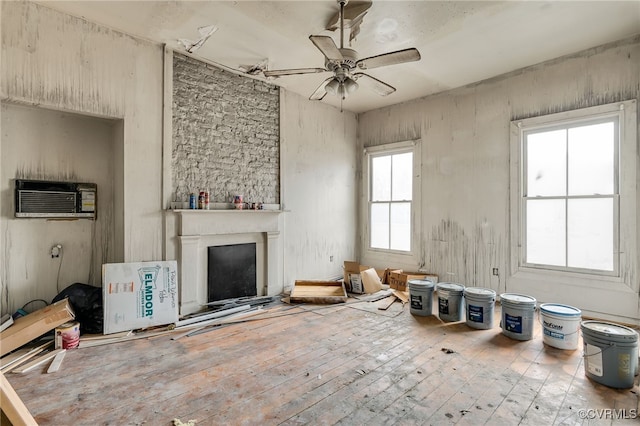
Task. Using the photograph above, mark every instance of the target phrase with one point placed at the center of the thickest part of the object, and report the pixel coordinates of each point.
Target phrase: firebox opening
(231, 271)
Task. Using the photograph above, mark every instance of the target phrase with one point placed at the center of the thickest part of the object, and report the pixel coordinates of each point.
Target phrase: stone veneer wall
(226, 134)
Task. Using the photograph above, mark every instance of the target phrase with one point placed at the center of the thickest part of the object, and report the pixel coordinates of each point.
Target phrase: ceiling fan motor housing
(350, 57)
(349, 60)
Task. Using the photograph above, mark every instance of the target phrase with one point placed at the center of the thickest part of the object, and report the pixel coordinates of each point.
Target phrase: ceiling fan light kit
(343, 61)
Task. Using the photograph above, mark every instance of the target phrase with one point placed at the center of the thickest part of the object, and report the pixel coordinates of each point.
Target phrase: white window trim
(384, 256)
(627, 220)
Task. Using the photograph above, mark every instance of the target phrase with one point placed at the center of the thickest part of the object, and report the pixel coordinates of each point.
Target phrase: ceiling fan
(343, 62)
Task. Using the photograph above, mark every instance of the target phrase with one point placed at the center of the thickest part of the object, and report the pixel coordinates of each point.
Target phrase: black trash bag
(86, 302)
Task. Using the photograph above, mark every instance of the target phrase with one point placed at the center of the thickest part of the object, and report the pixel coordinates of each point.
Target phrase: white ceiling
(460, 42)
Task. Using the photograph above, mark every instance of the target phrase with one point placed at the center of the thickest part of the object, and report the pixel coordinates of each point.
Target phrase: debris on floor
(386, 302)
(12, 406)
(22, 355)
(29, 327)
(321, 292)
(38, 361)
(178, 422)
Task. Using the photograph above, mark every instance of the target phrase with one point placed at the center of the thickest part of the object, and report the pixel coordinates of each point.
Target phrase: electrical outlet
(55, 250)
(495, 271)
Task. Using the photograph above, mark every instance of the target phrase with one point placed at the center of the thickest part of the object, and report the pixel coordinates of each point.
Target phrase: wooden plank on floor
(57, 362)
(13, 360)
(37, 362)
(384, 304)
(318, 292)
(12, 406)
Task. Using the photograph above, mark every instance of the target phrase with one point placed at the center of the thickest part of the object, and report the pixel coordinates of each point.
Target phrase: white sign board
(139, 295)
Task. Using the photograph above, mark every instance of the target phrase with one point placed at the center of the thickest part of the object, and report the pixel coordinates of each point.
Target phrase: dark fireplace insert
(231, 271)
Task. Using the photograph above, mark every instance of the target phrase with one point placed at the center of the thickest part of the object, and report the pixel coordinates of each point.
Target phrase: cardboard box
(399, 280)
(387, 279)
(29, 327)
(355, 281)
(139, 295)
(371, 282)
(349, 268)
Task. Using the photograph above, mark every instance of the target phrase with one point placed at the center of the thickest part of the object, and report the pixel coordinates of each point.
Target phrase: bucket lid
(418, 284)
(479, 291)
(611, 330)
(518, 299)
(452, 287)
(558, 309)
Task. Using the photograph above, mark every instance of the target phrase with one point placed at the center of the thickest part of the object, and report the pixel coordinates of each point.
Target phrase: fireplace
(197, 230)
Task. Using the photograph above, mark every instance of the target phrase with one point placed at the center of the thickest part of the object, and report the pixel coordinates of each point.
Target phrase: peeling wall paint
(466, 168)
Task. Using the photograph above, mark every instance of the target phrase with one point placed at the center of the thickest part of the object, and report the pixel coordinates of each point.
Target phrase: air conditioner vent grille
(47, 202)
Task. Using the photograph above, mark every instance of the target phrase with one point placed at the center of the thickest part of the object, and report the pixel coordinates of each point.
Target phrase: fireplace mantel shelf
(200, 211)
(226, 221)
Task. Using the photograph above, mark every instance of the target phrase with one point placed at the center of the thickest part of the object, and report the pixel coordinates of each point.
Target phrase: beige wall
(60, 62)
(466, 171)
(319, 192)
(51, 145)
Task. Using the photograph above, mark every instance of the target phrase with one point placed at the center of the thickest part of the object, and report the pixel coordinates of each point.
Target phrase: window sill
(579, 280)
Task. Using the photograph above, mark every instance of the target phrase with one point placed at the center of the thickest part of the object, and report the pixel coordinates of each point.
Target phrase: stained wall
(466, 181)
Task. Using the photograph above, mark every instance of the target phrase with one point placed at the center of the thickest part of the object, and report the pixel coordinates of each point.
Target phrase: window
(571, 186)
(390, 200)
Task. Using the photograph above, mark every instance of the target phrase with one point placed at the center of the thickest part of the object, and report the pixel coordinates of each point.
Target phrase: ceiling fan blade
(320, 92)
(380, 87)
(391, 58)
(293, 71)
(328, 47)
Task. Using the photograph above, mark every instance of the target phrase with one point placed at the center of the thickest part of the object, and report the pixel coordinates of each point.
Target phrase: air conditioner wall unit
(51, 199)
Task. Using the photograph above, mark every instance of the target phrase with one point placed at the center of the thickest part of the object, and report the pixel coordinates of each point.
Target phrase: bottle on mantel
(206, 200)
(201, 200)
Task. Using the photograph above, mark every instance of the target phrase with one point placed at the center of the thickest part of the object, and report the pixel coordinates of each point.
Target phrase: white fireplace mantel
(199, 229)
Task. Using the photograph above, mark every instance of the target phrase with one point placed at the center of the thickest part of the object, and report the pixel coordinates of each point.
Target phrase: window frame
(369, 153)
(624, 196)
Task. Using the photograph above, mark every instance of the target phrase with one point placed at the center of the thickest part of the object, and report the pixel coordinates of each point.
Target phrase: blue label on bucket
(475, 313)
(416, 302)
(513, 324)
(443, 306)
(553, 334)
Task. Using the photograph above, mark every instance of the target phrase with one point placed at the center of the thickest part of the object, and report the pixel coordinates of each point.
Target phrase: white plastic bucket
(610, 353)
(421, 297)
(480, 303)
(517, 315)
(450, 297)
(560, 325)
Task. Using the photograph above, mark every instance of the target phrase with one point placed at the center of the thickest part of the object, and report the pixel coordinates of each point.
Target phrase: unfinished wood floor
(343, 364)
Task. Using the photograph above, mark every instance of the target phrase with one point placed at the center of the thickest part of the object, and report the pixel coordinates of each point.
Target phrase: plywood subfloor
(323, 365)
